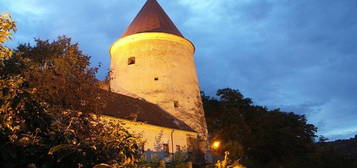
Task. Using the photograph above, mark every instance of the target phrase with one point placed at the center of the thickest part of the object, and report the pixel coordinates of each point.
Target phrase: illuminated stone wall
(160, 68)
(155, 136)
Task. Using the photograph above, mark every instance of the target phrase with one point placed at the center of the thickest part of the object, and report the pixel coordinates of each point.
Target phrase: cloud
(297, 55)
(86, 22)
(31, 8)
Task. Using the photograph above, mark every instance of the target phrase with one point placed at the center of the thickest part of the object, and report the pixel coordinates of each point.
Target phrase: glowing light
(216, 144)
(150, 36)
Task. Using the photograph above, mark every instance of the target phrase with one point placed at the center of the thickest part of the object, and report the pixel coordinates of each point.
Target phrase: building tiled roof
(139, 110)
(152, 18)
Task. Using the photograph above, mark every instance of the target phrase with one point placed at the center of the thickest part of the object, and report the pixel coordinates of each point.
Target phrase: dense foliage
(336, 154)
(48, 98)
(262, 138)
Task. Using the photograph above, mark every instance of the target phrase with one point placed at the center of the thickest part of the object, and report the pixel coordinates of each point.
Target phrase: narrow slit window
(131, 60)
(176, 104)
(190, 143)
(143, 147)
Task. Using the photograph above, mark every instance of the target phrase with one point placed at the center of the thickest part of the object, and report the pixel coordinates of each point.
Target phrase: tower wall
(160, 68)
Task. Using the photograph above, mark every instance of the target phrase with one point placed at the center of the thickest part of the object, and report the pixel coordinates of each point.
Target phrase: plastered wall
(164, 73)
(154, 137)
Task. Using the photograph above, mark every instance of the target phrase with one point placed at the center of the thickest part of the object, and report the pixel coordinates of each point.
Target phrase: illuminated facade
(152, 61)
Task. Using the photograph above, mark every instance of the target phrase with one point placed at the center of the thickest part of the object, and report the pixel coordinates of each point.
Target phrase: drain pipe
(172, 144)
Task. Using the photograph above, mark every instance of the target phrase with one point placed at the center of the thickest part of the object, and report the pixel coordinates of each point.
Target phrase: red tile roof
(139, 110)
(152, 18)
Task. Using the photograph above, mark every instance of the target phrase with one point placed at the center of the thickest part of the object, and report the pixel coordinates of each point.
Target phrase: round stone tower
(153, 60)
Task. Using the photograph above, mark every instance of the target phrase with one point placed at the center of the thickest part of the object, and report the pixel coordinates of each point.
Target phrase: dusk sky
(297, 55)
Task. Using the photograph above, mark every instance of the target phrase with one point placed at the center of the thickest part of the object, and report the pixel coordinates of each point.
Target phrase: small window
(143, 147)
(131, 60)
(176, 104)
(190, 143)
(156, 78)
(165, 148)
(178, 148)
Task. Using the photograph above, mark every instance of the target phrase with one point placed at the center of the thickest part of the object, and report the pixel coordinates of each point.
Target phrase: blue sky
(297, 55)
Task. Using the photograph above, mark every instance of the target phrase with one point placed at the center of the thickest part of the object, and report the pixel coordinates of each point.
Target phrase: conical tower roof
(152, 18)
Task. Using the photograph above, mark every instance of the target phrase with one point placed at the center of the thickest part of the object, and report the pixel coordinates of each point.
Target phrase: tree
(257, 136)
(339, 153)
(49, 105)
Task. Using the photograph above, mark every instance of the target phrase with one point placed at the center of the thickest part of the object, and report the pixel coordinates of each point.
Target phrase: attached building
(154, 78)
